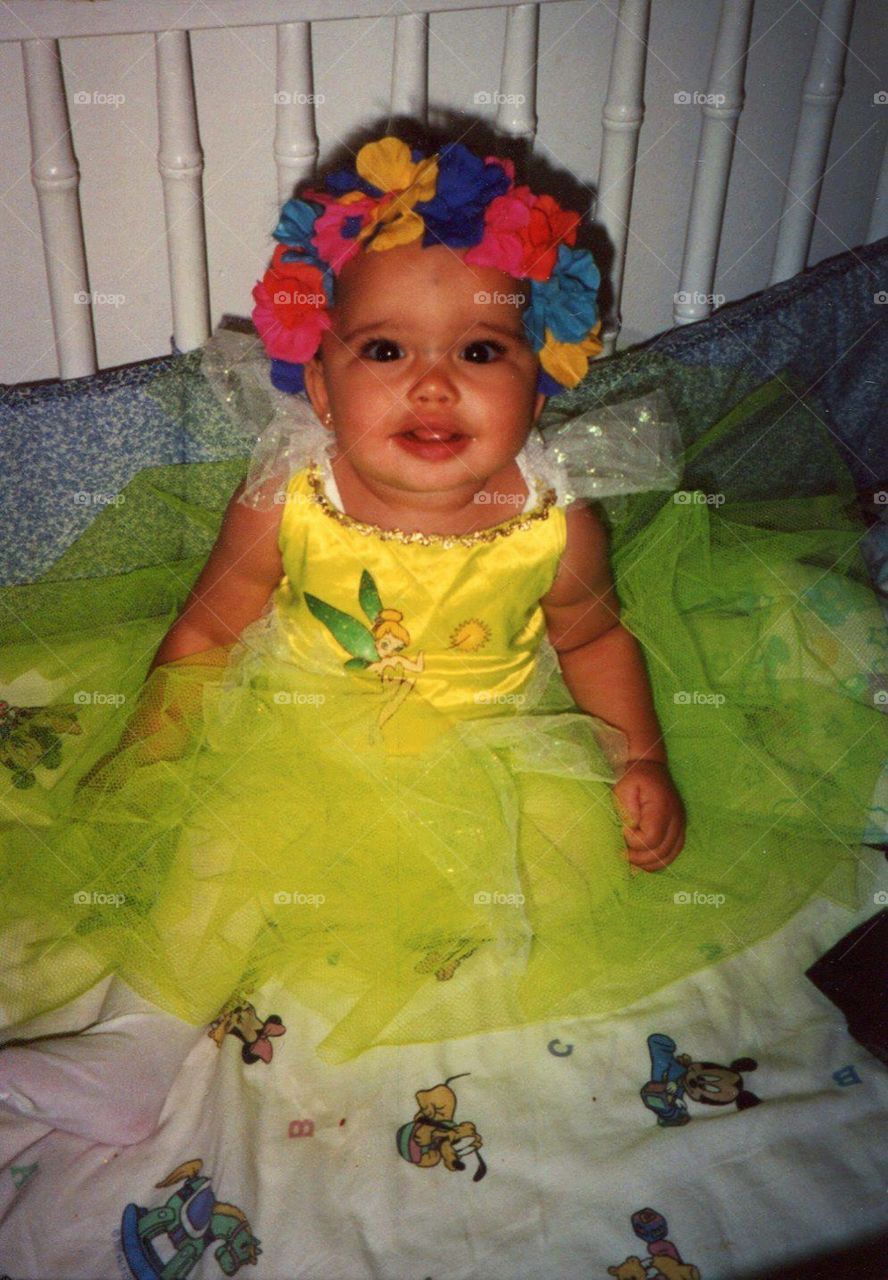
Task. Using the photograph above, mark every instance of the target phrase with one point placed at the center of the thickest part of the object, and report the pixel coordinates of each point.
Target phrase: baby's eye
(381, 349)
(483, 352)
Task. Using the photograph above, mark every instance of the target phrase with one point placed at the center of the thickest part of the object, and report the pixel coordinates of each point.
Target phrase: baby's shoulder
(586, 532)
(583, 569)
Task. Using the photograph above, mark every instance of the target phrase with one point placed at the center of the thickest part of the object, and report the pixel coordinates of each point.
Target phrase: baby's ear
(315, 386)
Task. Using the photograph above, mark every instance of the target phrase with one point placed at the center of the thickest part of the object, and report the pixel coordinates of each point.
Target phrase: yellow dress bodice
(449, 622)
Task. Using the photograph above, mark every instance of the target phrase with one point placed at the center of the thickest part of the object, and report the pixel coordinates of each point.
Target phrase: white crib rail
(721, 109)
(180, 161)
(38, 25)
(621, 119)
(878, 226)
(823, 89)
(410, 67)
(56, 180)
(295, 135)
(516, 109)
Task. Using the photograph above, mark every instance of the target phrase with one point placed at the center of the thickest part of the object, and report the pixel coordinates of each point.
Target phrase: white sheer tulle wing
(284, 430)
(625, 447)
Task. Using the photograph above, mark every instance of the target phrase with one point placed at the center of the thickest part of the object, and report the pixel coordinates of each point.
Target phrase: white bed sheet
(571, 1151)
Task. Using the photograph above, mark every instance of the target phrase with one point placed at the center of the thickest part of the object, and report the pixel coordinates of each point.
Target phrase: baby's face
(426, 371)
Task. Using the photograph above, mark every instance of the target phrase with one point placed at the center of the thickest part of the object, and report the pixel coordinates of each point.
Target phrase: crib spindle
(621, 122)
(56, 179)
(180, 161)
(516, 115)
(295, 134)
(410, 67)
(820, 98)
(878, 226)
(721, 108)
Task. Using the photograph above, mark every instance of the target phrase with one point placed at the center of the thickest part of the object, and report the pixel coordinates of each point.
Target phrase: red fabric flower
(548, 226)
(291, 308)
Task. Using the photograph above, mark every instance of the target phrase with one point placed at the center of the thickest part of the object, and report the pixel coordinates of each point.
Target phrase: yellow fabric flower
(568, 362)
(387, 165)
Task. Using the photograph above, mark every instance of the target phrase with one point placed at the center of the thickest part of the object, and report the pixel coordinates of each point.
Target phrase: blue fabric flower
(296, 228)
(287, 377)
(343, 181)
(297, 222)
(566, 302)
(465, 187)
(547, 384)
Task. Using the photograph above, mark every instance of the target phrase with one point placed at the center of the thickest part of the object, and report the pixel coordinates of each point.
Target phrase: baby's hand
(653, 814)
(155, 731)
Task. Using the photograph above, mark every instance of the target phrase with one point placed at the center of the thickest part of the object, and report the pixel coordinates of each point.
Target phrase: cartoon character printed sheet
(726, 1124)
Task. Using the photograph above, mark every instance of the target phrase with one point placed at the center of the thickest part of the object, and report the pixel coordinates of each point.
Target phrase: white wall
(234, 70)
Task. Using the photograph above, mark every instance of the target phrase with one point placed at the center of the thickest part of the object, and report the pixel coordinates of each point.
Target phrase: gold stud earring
(328, 419)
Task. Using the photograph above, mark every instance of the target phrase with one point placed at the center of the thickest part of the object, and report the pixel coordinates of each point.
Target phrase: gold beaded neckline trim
(513, 525)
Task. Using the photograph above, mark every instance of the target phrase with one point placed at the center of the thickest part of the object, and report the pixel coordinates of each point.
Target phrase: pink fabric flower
(328, 239)
(291, 309)
(502, 245)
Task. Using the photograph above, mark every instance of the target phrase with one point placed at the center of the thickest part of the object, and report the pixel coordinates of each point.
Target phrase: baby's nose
(434, 384)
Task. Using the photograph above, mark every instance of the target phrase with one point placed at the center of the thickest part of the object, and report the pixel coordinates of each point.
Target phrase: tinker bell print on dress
(400, 751)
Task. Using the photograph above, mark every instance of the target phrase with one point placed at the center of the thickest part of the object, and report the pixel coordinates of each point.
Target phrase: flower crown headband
(395, 196)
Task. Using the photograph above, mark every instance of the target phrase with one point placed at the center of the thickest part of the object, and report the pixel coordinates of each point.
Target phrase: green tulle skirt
(252, 832)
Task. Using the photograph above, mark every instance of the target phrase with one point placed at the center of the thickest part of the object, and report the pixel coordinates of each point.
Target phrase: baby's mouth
(433, 434)
(432, 442)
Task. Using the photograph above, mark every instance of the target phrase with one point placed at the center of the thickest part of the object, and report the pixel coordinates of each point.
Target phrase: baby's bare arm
(234, 585)
(604, 669)
(602, 663)
(233, 588)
